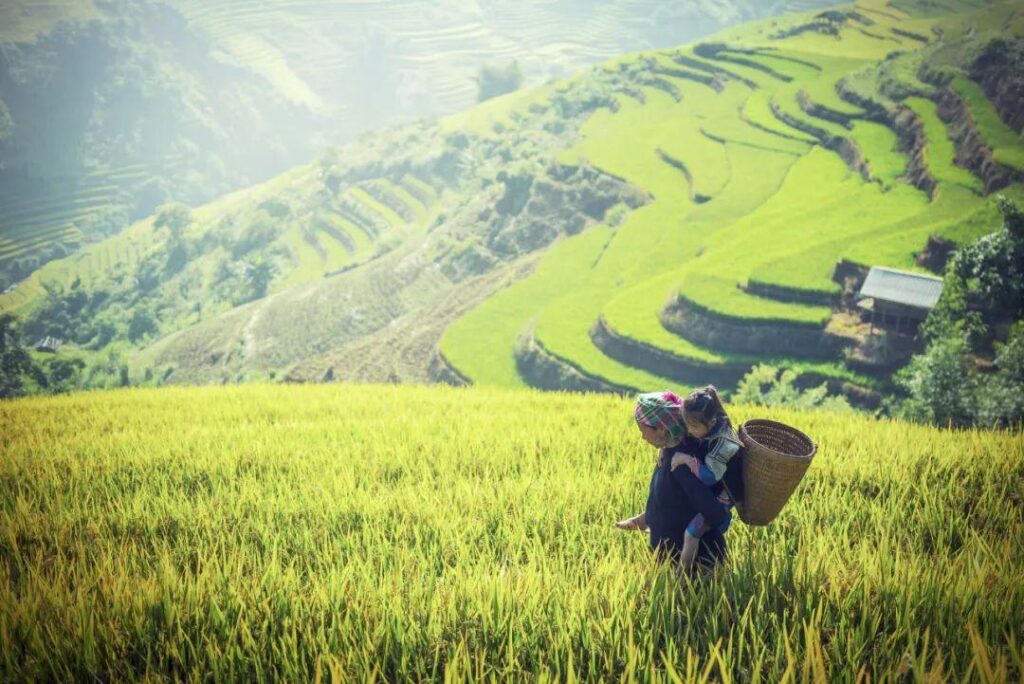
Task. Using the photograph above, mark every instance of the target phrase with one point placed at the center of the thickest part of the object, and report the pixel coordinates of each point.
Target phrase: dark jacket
(675, 497)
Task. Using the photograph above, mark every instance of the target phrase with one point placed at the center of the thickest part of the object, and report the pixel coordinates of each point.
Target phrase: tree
(259, 273)
(176, 217)
(261, 232)
(941, 384)
(495, 80)
(142, 323)
(993, 266)
(766, 385)
(1001, 403)
(15, 361)
(63, 374)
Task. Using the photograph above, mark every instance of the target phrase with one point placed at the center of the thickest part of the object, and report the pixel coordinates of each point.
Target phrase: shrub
(496, 80)
(768, 385)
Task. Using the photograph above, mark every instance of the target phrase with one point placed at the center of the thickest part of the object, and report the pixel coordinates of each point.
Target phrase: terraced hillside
(772, 152)
(108, 110)
(672, 217)
(411, 57)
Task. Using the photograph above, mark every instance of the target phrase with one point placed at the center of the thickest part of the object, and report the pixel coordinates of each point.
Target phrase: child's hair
(704, 406)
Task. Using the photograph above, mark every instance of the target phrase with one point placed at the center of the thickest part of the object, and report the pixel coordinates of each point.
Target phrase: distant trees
(15, 361)
(494, 80)
(175, 217)
(142, 323)
(67, 313)
(262, 230)
(20, 374)
(259, 273)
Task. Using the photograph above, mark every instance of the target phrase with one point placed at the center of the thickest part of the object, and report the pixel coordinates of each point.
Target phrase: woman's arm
(701, 498)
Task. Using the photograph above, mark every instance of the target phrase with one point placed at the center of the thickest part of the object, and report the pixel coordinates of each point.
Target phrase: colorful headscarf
(661, 410)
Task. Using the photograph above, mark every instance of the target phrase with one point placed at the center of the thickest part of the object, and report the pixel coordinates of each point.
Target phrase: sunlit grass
(940, 152)
(285, 532)
(1007, 147)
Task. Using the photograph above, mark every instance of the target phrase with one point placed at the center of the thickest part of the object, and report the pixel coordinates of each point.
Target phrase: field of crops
(360, 532)
(747, 188)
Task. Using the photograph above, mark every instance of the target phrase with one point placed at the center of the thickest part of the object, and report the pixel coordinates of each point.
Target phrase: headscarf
(661, 410)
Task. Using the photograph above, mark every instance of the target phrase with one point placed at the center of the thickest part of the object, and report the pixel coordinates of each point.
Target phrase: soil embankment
(999, 70)
(440, 370)
(912, 142)
(713, 331)
(844, 147)
(544, 370)
(660, 362)
(971, 151)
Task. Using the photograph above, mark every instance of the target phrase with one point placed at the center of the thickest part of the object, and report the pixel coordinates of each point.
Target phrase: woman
(682, 430)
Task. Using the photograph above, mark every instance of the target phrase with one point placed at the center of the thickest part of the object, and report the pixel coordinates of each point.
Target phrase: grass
(785, 98)
(481, 344)
(878, 144)
(735, 196)
(821, 88)
(940, 153)
(819, 200)
(757, 110)
(1006, 144)
(292, 533)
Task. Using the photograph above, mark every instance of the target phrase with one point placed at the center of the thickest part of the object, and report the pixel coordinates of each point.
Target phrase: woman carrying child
(696, 479)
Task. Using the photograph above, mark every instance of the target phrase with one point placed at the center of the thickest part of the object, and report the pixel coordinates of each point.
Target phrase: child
(708, 450)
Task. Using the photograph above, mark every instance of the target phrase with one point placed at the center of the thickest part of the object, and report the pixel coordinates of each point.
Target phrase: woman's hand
(637, 522)
(688, 460)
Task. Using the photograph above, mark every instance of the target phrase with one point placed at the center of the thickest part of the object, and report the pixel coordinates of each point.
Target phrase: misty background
(110, 109)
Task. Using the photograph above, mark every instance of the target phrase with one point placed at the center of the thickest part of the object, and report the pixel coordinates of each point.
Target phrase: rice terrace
(610, 340)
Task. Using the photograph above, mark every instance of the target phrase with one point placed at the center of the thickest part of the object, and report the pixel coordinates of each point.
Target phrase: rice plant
(352, 533)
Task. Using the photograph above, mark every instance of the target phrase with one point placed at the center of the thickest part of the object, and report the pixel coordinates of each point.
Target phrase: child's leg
(697, 526)
(689, 553)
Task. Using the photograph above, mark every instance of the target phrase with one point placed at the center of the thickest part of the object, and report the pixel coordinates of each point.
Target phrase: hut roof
(902, 287)
(48, 344)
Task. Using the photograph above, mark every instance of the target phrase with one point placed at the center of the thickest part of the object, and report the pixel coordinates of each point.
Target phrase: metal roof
(902, 287)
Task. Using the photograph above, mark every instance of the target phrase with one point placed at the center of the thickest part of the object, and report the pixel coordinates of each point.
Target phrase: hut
(898, 300)
(48, 344)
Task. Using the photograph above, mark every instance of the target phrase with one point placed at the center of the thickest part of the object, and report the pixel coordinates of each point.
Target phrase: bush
(1001, 402)
(940, 383)
(142, 323)
(15, 361)
(261, 232)
(496, 80)
(768, 385)
(176, 217)
(63, 374)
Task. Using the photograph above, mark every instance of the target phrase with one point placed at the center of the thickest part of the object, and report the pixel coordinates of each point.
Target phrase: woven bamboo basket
(776, 456)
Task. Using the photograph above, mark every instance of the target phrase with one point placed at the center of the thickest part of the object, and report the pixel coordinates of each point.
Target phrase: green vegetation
(980, 317)
(282, 532)
(1005, 143)
(725, 179)
(940, 153)
(766, 385)
(495, 80)
(878, 144)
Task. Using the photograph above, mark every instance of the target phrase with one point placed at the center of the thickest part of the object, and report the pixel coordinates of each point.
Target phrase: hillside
(669, 218)
(354, 532)
(109, 109)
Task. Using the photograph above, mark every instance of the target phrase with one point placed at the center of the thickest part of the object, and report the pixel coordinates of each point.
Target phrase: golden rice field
(358, 533)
